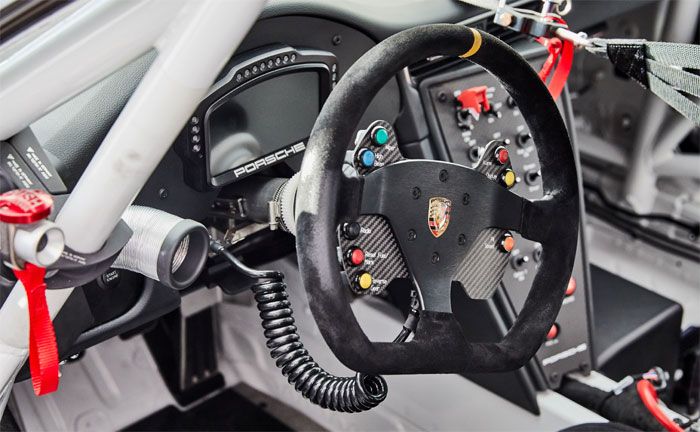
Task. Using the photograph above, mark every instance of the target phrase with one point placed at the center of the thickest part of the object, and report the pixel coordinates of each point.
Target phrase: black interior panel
(634, 329)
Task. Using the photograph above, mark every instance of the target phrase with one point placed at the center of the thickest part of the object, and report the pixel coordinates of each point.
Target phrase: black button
(351, 230)
(109, 279)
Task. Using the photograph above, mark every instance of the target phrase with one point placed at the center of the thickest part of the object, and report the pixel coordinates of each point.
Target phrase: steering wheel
(438, 345)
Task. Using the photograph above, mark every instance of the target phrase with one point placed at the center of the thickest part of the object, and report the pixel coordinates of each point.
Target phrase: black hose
(346, 394)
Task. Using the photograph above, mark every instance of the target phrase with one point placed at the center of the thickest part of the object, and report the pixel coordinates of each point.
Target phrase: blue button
(367, 158)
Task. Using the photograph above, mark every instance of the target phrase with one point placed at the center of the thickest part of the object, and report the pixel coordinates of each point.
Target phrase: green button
(380, 136)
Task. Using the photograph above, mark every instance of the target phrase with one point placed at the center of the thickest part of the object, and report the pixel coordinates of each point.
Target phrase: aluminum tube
(144, 131)
(640, 185)
(151, 120)
(680, 165)
(40, 244)
(668, 141)
(85, 47)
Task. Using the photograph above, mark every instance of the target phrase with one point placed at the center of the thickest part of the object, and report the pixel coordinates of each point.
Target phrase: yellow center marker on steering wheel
(475, 45)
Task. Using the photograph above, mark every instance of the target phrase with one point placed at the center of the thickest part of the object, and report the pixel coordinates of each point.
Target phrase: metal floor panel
(115, 384)
(666, 274)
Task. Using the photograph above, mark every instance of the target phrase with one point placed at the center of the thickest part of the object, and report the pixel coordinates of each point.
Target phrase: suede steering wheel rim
(438, 345)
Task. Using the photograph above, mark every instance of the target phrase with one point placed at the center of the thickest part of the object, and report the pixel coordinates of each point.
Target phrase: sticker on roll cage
(269, 159)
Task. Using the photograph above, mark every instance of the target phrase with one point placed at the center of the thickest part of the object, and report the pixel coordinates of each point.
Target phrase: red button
(571, 287)
(507, 243)
(356, 256)
(553, 332)
(502, 155)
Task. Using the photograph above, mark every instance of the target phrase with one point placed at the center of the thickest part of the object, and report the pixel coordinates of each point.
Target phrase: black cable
(692, 228)
(347, 394)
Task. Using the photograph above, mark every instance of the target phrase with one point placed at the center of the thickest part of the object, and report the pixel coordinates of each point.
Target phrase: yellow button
(509, 178)
(364, 281)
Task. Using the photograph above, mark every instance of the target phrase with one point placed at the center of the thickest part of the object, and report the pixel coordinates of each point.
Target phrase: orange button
(571, 287)
(507, 242)
(553, 332)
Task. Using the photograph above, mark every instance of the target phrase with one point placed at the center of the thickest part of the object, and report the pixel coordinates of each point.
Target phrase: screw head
(442, 97)
(444, 175)
(462, 240)
(163, 193)
(435, 258)
(505, 19)
(412, 235)
(416, 192)
(466, 198)
(337, 39)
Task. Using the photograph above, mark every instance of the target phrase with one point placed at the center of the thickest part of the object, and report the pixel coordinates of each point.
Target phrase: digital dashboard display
(263, 124)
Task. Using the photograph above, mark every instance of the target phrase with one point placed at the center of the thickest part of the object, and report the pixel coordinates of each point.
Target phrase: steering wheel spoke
(538, 220)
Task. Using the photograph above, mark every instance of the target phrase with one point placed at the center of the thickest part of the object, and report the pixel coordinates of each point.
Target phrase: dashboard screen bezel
(243, 72)
(230, 176)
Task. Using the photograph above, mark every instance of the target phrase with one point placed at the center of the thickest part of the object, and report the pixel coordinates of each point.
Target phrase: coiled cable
(346, 394)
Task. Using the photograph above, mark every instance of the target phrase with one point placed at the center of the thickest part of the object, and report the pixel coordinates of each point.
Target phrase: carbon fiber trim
(386, 154)
(487, 163)
(484, 265)
(383, 258)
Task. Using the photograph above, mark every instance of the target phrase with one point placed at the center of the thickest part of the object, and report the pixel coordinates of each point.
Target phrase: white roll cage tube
(194, 39)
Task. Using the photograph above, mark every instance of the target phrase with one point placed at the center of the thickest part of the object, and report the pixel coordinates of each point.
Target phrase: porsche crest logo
(439, 215)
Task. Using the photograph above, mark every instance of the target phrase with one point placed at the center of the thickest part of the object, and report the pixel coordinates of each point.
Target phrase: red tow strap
(43, 352)
(564, 52)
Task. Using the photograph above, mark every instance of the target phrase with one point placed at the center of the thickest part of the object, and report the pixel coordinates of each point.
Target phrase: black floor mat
(227, 411)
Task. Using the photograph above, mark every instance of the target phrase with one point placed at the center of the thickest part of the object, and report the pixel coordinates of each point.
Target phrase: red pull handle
(43, 352)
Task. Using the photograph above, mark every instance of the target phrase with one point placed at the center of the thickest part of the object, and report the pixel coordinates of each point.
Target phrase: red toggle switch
(475, 100)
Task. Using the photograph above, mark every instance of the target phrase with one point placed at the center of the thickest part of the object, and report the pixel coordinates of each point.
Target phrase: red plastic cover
(25, 206)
